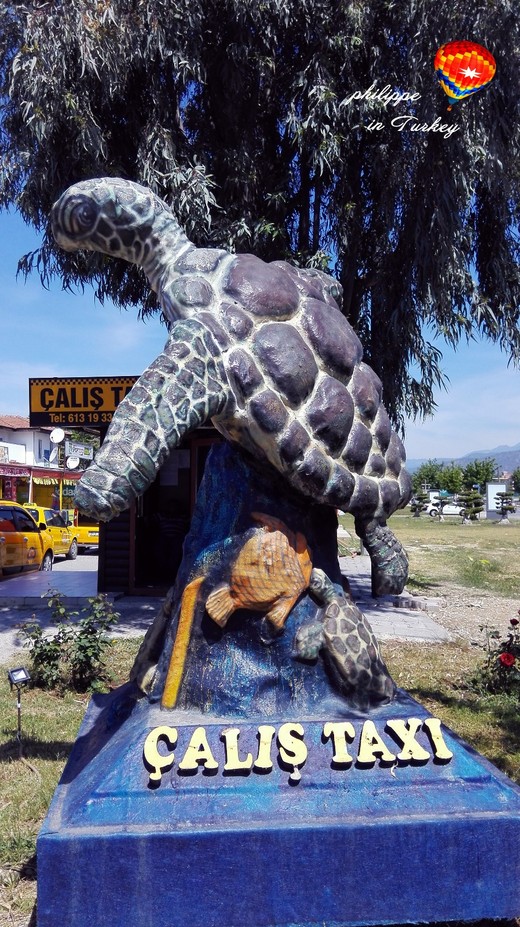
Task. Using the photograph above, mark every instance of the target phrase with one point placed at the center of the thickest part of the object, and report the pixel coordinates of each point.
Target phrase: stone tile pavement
(392, 617)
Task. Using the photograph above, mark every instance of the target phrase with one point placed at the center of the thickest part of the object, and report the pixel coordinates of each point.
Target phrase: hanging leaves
(266, 127)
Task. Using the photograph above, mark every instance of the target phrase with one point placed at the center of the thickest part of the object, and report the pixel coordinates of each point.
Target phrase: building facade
(31, 467)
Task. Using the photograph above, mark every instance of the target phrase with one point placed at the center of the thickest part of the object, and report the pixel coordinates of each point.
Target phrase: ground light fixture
(18, 678)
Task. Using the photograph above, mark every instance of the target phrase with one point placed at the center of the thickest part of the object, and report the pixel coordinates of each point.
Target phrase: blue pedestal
(371, 842)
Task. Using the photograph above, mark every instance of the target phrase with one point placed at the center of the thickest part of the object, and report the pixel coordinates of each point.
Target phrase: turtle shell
(303, 399)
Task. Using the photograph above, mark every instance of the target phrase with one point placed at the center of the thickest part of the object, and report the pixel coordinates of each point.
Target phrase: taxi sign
(76, 400)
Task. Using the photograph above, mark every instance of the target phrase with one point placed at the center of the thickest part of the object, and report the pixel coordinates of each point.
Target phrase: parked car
(64, 539)
(23, 544)
(84, 527)
(435, 509)
(88, 534)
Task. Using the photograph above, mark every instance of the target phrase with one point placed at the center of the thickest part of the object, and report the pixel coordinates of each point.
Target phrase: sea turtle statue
(260, 349)
(349, 645)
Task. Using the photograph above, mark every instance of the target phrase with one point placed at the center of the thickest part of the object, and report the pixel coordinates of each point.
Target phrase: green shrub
(72, 655)
(501, 670)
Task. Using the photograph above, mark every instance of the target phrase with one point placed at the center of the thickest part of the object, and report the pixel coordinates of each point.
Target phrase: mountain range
(507, 458)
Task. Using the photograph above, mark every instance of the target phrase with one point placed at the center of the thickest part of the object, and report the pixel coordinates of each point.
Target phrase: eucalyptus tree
(308, 130)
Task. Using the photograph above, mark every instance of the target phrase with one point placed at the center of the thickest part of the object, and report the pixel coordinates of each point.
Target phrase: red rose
(514, 621)
(507, 659)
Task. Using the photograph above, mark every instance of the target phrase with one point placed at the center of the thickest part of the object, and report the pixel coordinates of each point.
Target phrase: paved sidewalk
(395, 617)
(27, 590)
(23, 597)
(401, 617)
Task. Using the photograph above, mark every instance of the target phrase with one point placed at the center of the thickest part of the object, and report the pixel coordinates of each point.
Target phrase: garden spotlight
(18, 678)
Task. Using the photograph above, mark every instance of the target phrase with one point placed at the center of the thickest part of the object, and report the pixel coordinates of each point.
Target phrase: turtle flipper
(183, 388)
(389, 560)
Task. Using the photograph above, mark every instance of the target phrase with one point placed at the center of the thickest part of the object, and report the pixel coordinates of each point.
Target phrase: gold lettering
(405, 731)
(292, 749)
(432, 726)
(198, 751)
(233, 761)
(159, 762)
(265, 740)
(340, 732)
(371, 746)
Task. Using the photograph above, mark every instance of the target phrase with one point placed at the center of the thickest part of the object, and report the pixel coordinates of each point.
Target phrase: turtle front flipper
(183, 388)
(388, 559)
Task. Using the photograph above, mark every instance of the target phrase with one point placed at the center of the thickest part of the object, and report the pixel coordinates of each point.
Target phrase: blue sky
(57, 333)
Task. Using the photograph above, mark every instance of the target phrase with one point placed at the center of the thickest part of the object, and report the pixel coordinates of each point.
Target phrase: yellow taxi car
(64, 539)
(85, 529)
(88, 534)
(23, 544)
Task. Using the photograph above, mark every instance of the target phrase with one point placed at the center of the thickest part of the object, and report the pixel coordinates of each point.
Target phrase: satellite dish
(57, 435)
(53, 455)
(72, 463)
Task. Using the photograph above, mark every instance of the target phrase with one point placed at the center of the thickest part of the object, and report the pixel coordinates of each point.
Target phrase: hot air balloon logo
(462, 68)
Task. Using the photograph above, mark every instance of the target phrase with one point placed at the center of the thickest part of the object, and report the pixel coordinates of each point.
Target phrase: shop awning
(51, 481)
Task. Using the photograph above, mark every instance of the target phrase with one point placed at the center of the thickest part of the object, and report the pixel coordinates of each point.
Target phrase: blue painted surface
(355, 844)
(344, 846)
(247, 667)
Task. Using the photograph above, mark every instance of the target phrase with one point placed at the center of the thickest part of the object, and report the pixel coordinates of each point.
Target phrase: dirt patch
(464, 611)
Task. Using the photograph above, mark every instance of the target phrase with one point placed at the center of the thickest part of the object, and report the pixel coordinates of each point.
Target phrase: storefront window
(22, 490)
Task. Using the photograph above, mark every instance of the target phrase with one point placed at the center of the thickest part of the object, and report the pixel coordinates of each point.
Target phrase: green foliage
(479, 472)
(480, 572)
(515, 479)
(72, 655)
(501, 669)
(438, 475)
(504, 503)
(451, 478)
(427, 475)
(242, 115)
(473, 503)
(83, 437)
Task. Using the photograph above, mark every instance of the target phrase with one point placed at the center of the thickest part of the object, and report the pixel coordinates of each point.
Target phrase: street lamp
(18, 678)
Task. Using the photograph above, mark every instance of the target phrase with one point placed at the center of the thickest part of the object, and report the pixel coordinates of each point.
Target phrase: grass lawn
(482, 555)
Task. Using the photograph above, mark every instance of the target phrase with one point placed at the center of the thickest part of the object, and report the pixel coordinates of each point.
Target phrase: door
(61, 536)
(20, 543)
(30, 540)
(10, 552)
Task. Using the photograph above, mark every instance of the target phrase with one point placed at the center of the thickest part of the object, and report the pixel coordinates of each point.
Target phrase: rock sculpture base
(249, 666)
(263, 822)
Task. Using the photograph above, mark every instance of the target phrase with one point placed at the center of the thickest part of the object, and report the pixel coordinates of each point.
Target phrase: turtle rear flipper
(183, 388)
(388, 558)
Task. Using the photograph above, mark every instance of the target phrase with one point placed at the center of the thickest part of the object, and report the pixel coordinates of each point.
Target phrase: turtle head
(116, 217)
(321, 586)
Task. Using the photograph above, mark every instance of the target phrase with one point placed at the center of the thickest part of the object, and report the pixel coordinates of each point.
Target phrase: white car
(435, 509)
